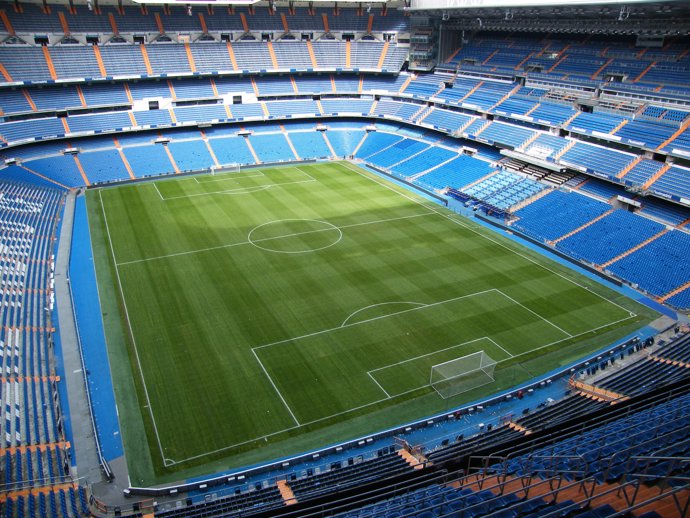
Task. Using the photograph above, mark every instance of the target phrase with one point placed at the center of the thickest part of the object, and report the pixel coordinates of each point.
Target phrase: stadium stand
(581, 439)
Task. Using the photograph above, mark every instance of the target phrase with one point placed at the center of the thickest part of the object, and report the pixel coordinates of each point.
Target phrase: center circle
(294, 236)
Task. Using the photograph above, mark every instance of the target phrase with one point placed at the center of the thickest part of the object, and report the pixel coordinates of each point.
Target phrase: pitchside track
(264, 302)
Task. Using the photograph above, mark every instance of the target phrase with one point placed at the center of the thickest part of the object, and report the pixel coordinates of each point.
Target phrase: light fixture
(624, 13)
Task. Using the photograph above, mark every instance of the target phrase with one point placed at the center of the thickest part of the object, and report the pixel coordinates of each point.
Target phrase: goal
(225, 168)
(456, 376)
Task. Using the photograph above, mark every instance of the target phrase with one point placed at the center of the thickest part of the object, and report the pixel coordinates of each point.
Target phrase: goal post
(456, 376)
(225, 168)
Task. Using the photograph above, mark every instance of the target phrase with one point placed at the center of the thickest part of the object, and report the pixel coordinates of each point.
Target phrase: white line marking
(159, 193)
(431, 353)
(373, 319)
(243, 190)
(131, 332)
(307, 250)
(237, 190)
(177, 254)
(199, 250)
(433, 211)
(378, 400)
(533, 312)
(453, 217)
(275, 387)
(224, 177)
(510, 355)
(376, 305)
(379, 385)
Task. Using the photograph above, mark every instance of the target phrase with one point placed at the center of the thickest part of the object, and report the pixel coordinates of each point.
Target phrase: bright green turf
(259, 303)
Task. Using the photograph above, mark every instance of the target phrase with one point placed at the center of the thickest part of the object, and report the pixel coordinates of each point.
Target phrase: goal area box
(456, 376)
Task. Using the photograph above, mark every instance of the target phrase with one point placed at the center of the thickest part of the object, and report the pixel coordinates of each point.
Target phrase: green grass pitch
(261, 305)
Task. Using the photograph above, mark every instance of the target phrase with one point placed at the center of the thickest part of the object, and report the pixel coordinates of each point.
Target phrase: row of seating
(36, 19)
(631, 247)
(66, 502)
(504, 190)
(577, 59)
(30, 63)
(186, 88)
(492, 133)
(532, 466)
(36, 462)
(416, 161)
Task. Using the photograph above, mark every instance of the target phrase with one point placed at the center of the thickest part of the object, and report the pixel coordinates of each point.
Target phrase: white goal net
(225, 168)
(456, 376)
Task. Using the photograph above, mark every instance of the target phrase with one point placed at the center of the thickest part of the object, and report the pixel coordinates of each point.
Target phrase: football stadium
(404, 259)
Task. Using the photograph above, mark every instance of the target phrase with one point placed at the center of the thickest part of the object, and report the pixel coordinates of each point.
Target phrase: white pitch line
(571, 337)
(510, 355)
(239, 189)
(275, 387)
(434, 211)
(377, 305)
(296, 234)
(429, 354)
(159, 193)
(377, 401)
(379, 385)
(177, 254)
(217, 178)
(452, 217)
(131, 331)
(534, 312)
(374, 319)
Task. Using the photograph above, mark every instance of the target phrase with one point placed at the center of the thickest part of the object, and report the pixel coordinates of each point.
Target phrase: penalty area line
(534, 313)
(453, 217)
(280, 395)
(378, 384)
(291, 428)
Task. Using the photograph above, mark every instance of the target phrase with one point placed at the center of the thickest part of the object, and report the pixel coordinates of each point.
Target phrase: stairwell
(581, 227)
(656, 176)
(675, 292)
(419, 175)
(680, 130)
(563, 151)
(422, 114)
(629, 167)
(603, 394)
(633, 249)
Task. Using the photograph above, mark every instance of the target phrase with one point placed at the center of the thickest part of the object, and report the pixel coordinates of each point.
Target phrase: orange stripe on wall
(128, 92)
(63, 22)
(6, 22)
(5, 73)
(81, 169)
(99, 60)
(49, 62)
(159, 23)
(113, 24)
(245, 25)
(29, 99)
(190, 57)
(202, 22)
(145, 55)
(81, 96)
(231, 53)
